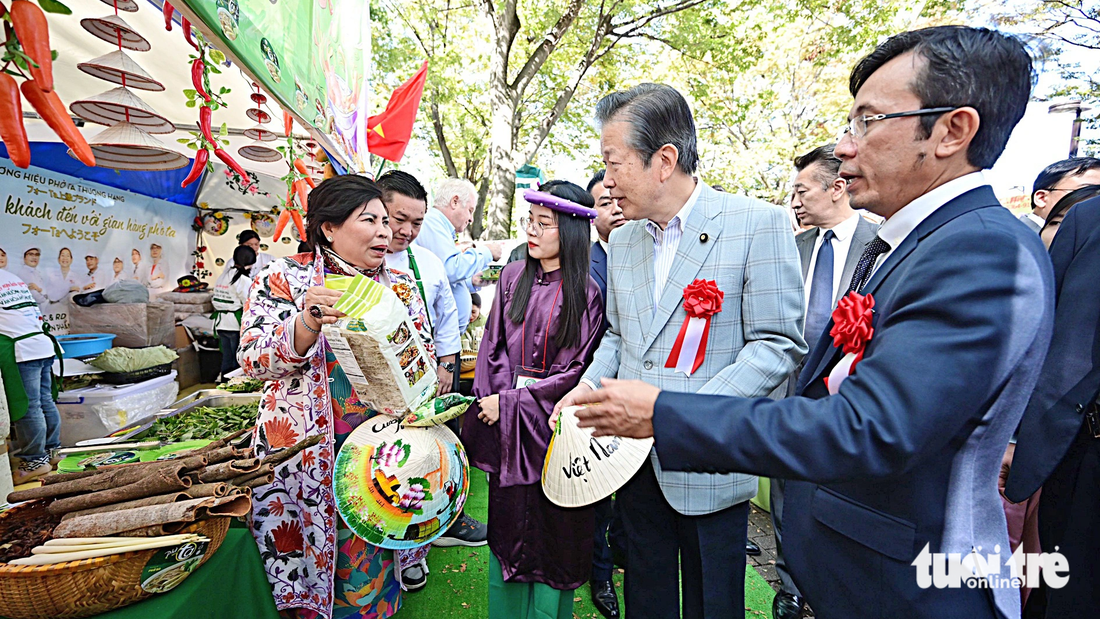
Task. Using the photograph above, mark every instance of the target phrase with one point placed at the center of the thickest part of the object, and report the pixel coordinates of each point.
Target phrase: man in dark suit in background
(829, 254)
(608, 217)
(1059, 444)
(898, 463)
(1055, 182)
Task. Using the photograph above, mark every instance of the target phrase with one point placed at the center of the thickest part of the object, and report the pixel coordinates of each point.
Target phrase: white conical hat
(581, 469)
(399, 487)
(113, 66)
(126, 147)
(258, 151)
(260, 134)
(123, 5)
(108, 28)
(121, 105)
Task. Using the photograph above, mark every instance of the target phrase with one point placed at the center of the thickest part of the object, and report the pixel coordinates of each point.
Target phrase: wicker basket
(86, 587)
(137, 376)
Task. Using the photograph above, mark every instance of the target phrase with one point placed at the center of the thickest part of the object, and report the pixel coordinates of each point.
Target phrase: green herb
(205, 422)
(242, 385)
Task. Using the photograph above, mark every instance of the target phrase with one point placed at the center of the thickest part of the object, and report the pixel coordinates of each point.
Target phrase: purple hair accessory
(561, 205)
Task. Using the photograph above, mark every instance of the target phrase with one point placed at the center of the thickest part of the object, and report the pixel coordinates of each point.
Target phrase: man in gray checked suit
(681, 231)
(829, 253)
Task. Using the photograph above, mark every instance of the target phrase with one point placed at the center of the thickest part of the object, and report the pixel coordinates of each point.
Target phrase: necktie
(821, 290)
(866, 263)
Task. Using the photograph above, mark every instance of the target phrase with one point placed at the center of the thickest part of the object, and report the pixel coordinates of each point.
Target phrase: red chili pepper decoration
(298, 222)
(301, 167)
(11, 122)
(288, 123)
(231, 163)
(187, 32)
(34, 35)
(284, 217)
(201, 157)
(52, 110)
(168, 10)
(204, 125)
(197, 68)
(300, 189)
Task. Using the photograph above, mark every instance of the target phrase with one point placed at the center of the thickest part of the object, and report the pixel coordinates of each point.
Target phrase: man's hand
(34, 287)
(446, 380)
(496, 248)
(620, 408)
(568, 400)
(490, 409)
(1006, 467)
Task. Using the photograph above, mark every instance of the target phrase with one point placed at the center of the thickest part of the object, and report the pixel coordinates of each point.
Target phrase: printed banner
(311, 55)
(64, 235)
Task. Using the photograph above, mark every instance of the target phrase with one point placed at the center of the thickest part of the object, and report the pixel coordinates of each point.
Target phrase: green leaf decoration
(190, 93)
(183, 140)
(54, 54)
(225, 130)
(217, 56)
(53, 6)
(191, 103)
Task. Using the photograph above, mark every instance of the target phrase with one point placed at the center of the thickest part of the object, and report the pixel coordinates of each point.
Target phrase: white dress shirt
(903, 222)
(20, 315)
(439, 237)
(440, 301)
(842, 243)
(667, 241)
(1035, 219)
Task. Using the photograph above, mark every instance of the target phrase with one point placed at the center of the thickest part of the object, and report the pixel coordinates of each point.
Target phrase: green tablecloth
(231, 585)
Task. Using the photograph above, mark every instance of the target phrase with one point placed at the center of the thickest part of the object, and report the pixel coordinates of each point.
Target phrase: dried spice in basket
(21, 532)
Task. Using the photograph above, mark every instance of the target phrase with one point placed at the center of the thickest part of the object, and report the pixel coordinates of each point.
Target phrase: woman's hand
(490, 409)
(325, 299)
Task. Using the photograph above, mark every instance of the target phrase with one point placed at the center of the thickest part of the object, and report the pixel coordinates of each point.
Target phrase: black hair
(828, 164)
(1055, 172)
(334, 201)
(1070, 200)
(396, 181)
(596, 178)
(964, 67)
(574, 239)
(304, 247)
(243, 259)
(475, 299)
(658, 115)
(246, 236)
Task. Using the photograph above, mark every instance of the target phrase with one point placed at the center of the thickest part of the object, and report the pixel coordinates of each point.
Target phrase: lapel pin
(703, 238)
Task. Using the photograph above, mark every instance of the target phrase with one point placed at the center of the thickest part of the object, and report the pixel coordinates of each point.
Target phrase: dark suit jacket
(805, 241)
(908, 452)
(1070, 377)
(598, 268)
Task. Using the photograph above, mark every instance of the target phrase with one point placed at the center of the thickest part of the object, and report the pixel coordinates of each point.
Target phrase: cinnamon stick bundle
(263, 471)
(218, 489)
(159, 481)
(259, 481)
(160, 499)
(228, 452)
(224, 471)
(279, 457)
(99, 525)
(98, 482)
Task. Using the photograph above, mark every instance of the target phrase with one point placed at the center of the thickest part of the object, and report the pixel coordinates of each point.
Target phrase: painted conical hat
(258, 151)
(126, 147)
(123, 5)
(400, 487)
(108, 28)
(113, 66)
(260, 134)
(121, 105)
(581, 469)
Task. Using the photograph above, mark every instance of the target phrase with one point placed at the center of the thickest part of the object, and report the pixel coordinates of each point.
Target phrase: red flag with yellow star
(388, 133)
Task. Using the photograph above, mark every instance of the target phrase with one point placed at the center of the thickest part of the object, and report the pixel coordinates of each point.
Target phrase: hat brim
(560, 205)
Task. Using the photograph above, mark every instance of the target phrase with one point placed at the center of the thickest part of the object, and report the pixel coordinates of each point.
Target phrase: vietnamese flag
(388, 133)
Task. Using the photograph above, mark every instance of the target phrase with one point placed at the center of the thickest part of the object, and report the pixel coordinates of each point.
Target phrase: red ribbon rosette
(851, 331)
(702, 300)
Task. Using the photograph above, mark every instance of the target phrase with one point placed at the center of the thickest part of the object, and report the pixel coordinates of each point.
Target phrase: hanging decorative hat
(258, 115)
(121, 104)
(581, 469)
(123, 5)
(258, 151)
(117, 66)
(126, 147)
(400, 487)
(111, 27)
(260, 134)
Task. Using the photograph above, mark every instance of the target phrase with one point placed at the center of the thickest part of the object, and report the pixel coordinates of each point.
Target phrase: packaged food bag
(378, 348)
(438, 410)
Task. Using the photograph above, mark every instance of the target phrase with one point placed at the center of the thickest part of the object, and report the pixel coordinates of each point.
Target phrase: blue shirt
(439, 237)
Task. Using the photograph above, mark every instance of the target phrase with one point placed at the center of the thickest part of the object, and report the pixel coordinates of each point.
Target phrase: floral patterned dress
(313, 562)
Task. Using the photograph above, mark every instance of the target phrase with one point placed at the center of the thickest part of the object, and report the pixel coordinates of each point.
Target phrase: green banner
(311, 55)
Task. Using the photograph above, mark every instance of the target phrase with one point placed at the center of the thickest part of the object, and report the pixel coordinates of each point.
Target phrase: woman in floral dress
(316, 566)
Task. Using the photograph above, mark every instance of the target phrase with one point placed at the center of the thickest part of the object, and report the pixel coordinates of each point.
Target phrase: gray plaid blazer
(754, 342)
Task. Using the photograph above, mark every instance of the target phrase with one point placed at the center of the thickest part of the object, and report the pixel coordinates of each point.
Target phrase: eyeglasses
(537, 226)
(857, 127)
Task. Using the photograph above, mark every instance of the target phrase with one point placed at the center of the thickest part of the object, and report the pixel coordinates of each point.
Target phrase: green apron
(216, 315)
(18, 402)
